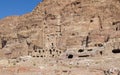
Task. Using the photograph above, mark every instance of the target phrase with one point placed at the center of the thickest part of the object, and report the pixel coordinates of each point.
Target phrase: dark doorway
(101, 52)
(70, 56)
(116, 51)
(80, 50)
(4, 42)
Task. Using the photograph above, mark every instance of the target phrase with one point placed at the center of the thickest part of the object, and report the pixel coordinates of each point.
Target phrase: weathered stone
(63, 37)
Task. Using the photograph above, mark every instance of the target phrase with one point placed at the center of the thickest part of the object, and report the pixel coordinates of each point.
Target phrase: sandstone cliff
(66, 31)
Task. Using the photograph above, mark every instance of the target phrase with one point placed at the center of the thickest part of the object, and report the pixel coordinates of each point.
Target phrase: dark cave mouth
(116, 51)
(70, 56)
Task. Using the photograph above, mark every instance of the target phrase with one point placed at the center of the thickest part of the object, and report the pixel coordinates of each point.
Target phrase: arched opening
(43, 51)
(100, 45)
(39, 51)
(101, 52)
(33, 56)
(52, 44)
(54, 50)
(80, 50)
(41, 56)
(35, 50)
(70, 56)
(4, 42)
(53, 55)
(37, 56)
(91, 21)
(116, 28)
(73, 34)
(50, 51)
(116, 51)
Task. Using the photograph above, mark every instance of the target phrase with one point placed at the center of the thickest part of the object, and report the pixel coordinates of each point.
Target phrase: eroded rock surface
(62, 37)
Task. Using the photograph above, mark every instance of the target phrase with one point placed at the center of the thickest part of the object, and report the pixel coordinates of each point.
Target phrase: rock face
(72, 37)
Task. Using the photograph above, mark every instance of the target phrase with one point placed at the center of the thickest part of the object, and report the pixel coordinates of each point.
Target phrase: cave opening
(37, 56)
(39, 51)
(41, 56)
(101, 52)
(70, 56)
(50, 51)
(100, 45)
(80, 50)
(91, 21)
(116, 51)
(4, 42)
(33, 56)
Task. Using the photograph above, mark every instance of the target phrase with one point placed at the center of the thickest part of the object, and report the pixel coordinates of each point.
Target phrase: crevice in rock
(4, 42)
